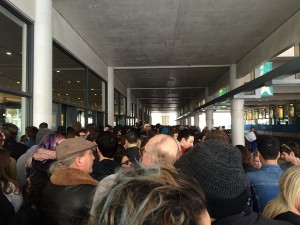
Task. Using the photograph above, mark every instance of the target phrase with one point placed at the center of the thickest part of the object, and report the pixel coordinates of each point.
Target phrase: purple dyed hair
(50, 141)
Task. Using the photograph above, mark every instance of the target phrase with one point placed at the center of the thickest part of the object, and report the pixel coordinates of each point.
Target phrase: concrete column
(42, 79)
(209, 113)
(137, 109)
(110, 96)
(196, 120)
(237, 111)
(103, 97)
(129, 102)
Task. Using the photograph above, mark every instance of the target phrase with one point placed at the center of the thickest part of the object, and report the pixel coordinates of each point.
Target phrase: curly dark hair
(32, 190)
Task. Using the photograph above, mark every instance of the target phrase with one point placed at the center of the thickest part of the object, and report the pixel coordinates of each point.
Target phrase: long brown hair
(5, 180)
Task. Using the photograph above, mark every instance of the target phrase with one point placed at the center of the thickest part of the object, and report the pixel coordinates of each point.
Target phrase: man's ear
(278, 156)
(78, 161)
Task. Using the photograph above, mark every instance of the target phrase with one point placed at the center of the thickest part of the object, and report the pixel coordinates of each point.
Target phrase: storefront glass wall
(14, 89)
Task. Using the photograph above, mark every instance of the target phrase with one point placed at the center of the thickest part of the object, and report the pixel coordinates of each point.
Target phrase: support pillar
(128, 102)
(42, 79)
(196, 120)
(237, 112)
(110, 97)
(209, 113)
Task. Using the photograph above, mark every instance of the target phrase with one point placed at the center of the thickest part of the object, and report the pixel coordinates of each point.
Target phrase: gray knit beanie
(217, 167)
(41, 134)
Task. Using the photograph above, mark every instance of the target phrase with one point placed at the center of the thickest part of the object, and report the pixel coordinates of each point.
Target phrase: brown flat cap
(72, 146)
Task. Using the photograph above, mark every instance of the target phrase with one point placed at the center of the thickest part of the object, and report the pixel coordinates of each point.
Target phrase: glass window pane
(68, 79)
(12, 52)
(95, 93)
(122, 105)
(116, 102)
(11, 109)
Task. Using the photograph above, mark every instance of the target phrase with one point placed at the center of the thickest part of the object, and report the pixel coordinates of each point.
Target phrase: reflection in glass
(68, 79)
(122, 105)
(12, 52)
(95, 92)
(291, 110)
(10, 110)
(116, 103)
(280, 112)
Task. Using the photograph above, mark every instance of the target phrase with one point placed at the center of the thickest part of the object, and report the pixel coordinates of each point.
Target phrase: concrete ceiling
(152, 42)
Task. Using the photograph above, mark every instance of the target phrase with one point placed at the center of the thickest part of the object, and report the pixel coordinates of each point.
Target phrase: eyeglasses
(127, 162)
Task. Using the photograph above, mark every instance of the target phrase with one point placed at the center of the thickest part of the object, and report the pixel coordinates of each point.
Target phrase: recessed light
(78, 81)
(8, 53)
(78, 98)
(95, 94)
(18, 82)
(67, 94)
(69, 82)
(58, 94)
(92, 89)
(57, 71)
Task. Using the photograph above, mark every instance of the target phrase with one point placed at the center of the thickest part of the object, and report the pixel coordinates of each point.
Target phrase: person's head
(151, 196)
(257, 162)
(74, 153)
(147, 126)
(287, 149)
(268, 147)
(107, 144)
(82, 133)
(32, 191)
(31, 132)
(91, 128)
(41, 134)
(122, 159)
(77, 126)
(9, 131)
(161, 149)
(61, 130)
(247, 158)
(43, 125)
(217, 135)
(23, 139)
(5, 176)
(130, 139)
(50, 141)
(288, 198)
(217, 167)
(186, 138)
(174, 133)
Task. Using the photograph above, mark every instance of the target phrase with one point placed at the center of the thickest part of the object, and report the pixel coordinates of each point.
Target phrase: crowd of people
(146, 174)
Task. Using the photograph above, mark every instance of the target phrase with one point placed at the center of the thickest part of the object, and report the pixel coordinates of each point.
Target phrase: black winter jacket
(66, 199)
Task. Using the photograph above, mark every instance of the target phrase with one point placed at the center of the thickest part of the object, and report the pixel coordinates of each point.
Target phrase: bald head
(162, 149)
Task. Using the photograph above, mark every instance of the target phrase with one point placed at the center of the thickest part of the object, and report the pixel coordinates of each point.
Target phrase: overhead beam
(166, 88)
(168, 67)
(289, 68)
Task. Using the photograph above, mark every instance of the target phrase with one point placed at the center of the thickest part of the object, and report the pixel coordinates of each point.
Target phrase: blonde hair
(289, 193)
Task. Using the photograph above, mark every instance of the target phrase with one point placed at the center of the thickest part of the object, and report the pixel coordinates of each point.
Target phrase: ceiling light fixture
(8, 53)
(78, 81)
(57, 71)
(18, 82)
(67, 94)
